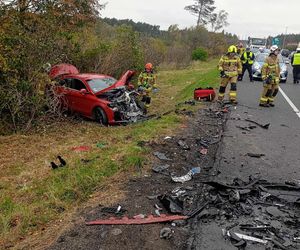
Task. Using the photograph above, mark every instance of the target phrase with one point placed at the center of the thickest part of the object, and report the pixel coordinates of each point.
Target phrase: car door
(81, 102)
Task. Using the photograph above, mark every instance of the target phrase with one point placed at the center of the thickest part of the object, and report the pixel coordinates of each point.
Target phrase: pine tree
(203, 9)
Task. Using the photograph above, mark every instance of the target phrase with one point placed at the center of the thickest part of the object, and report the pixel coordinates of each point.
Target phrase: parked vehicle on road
(256, 43)
(259, 61)
(96, 96)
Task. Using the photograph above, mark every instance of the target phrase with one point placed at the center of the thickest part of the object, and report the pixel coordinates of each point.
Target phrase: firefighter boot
(233, 93)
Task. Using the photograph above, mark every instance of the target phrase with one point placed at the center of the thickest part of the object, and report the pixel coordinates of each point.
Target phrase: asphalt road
(280, 144)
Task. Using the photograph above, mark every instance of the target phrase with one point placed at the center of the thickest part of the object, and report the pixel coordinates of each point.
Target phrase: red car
(99, 97)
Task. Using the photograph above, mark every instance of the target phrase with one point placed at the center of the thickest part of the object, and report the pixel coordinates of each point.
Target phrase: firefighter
(147, 83)
(296, 65)
(271, 76)
(247, 60)
(230, 67)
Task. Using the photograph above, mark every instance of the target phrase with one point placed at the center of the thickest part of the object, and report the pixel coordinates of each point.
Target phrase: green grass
(27, 207)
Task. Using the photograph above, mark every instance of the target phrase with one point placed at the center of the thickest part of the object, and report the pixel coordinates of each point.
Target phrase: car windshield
(262, 57)
(99, 84)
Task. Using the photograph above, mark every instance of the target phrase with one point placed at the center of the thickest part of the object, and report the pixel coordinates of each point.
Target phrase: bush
(199, 54)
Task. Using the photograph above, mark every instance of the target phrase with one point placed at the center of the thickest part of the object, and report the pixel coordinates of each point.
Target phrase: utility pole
(284, 38)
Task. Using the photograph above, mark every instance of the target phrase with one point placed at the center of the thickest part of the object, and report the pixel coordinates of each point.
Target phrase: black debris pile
(179, 201)
(247, 128)
(261, 212)
(114, 210)
(183, 145)
(219, 112)
(161, 169)
(62, 163)
(184, 112)
(161, 156)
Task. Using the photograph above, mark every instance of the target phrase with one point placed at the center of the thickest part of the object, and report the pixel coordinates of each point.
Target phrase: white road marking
(296, 110)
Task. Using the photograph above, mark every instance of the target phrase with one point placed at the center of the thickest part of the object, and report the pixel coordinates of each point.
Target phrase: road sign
(276, 41)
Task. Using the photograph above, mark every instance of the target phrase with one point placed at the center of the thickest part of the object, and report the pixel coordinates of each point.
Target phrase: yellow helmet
(232, 49)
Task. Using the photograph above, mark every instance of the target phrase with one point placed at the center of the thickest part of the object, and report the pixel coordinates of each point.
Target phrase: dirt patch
(203, 129)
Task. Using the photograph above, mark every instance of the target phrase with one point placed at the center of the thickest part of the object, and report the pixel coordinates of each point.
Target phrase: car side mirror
(83, 91)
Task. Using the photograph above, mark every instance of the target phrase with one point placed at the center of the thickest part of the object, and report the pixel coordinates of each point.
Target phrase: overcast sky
(258, 18)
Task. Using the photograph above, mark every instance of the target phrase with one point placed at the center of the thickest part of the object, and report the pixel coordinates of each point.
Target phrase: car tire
(100, 116)
(142, 106)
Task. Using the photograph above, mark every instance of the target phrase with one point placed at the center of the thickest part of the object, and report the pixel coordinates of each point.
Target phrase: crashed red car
(96, 96)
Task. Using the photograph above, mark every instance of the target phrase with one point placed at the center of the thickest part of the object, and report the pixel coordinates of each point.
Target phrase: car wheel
(100, 116)
(142, 106)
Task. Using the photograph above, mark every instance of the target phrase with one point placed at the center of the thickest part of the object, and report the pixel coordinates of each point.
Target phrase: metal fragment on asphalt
(183, 179)
(247, 237)
(161, 156)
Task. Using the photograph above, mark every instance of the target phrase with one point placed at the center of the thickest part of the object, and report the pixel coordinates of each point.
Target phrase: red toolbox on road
(207, 94)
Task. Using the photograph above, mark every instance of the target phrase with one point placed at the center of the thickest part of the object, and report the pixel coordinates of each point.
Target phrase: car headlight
(283, 70)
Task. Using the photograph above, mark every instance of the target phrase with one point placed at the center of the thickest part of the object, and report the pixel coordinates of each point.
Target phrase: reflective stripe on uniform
(230, 60)
(232, 94)
(221, 94)
(231, 74)
(263, 99)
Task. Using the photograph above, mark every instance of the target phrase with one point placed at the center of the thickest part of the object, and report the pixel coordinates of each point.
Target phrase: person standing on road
(295, 61)
(147, 83)
(247, 59)
(230, 67)
(271, 76)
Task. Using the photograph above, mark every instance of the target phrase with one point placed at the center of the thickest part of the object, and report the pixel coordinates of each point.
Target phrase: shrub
(199, 54)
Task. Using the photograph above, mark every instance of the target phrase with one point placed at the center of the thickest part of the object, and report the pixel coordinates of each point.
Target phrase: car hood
(62, 69)
(123, 81)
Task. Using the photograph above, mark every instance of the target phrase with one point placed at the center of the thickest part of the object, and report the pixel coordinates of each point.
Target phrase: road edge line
(295, 109)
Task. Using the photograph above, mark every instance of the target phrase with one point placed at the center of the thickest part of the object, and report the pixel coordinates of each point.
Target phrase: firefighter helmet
(274, 48)
(232, 49)
(149, 66)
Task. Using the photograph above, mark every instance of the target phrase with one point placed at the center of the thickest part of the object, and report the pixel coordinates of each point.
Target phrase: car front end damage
(124, 105)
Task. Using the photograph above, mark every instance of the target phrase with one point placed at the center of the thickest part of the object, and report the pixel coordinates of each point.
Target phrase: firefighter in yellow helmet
(230, 67)
(147, 83)
(271, 76)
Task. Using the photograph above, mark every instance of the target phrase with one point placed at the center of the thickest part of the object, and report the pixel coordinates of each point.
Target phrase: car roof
(88, 76)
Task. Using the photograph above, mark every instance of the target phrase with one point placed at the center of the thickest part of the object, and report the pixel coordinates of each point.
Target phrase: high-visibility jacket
(247, 58)
(271, 68)
(147, 80)
(296, 59)
(232, 66)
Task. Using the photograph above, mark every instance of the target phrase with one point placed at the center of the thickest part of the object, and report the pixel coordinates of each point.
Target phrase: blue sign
(276, 41)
